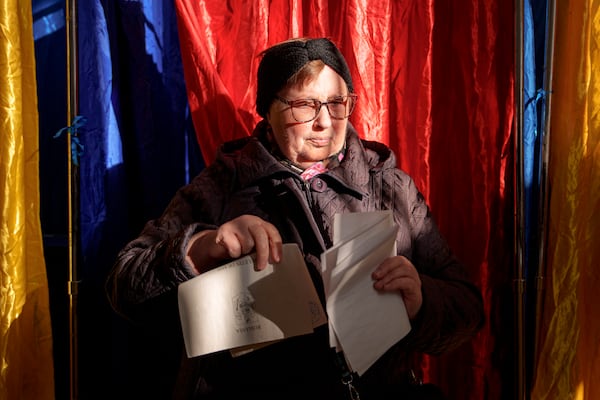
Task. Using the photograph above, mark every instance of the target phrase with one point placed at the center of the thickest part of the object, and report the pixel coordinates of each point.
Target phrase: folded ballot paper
(236, 308)
(363, 323)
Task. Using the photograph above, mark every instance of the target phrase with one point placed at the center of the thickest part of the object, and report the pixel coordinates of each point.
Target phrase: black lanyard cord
(347, 375)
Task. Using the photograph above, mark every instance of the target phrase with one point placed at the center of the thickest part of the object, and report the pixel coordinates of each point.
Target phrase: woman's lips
(320, 142)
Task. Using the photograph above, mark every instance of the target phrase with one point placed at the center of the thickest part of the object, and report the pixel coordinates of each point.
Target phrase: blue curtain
(534, 96)
(138, 148)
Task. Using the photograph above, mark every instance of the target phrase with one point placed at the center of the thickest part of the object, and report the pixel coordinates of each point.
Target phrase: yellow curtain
(26, 363)
(569, 358)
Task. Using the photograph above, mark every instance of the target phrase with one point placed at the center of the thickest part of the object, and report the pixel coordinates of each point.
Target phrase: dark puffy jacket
(247, 179)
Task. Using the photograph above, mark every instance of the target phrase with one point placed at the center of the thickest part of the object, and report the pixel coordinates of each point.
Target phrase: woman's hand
(233, 239)
(399, 274)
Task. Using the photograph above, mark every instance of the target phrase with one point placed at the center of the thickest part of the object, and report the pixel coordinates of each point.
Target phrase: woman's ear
(270, 136)
(269, 128)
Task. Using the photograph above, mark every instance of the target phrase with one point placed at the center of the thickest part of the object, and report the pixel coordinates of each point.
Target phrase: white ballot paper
(234, 307)
(363, 322)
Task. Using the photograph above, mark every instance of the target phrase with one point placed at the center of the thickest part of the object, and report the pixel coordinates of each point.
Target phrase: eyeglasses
(306, 110)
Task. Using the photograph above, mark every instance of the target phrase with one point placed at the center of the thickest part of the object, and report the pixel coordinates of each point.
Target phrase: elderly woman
(303, 164)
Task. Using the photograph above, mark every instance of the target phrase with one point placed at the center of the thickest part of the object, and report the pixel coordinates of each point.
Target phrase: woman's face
(309, 142)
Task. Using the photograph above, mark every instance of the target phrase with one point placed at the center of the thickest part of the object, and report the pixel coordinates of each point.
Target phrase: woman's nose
(323, 117)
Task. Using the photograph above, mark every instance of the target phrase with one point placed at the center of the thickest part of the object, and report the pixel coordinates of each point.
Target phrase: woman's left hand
(399, 274)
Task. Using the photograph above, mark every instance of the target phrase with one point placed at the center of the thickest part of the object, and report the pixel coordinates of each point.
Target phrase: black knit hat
(281, 61)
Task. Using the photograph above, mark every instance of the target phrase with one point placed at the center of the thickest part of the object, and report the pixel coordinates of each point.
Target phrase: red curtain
(435, 82)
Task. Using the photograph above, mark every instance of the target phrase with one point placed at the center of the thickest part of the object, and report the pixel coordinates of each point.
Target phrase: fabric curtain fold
(568, 363)
(26, 358)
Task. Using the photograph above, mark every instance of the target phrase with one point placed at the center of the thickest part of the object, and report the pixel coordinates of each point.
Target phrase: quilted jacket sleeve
(452, 310)
(148, 270)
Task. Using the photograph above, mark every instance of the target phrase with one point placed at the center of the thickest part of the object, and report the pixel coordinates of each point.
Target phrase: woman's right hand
(234, 239)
